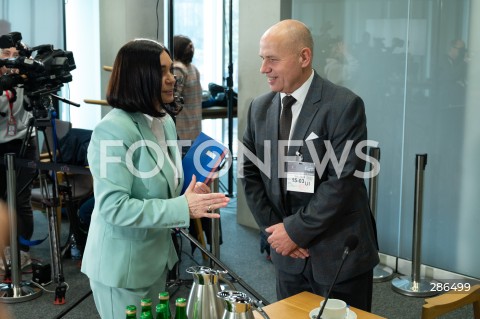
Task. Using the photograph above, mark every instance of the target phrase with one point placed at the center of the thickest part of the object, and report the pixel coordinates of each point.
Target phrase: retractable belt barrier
(415, 285)
(13, 290)
(380, 272)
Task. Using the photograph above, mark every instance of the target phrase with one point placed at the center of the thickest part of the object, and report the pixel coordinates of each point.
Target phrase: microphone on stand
(350, 244)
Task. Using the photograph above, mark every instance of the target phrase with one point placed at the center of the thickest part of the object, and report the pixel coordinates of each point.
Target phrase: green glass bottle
(146, 315)
(161, 311)
(146, 304)
(181, 308)
(164, 298)
(131, 312)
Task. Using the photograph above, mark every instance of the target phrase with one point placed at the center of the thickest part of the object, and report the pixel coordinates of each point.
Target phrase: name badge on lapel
(300, 177)
(11, 126)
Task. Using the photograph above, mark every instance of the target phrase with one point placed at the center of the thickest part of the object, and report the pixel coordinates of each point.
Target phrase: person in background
(341, 66)
(4, 238)
(189, 120)
(137, 173)
(452, 75)
(14, 120)
(308, 224)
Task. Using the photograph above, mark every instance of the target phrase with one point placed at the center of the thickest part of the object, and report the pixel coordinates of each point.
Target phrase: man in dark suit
(323, 199)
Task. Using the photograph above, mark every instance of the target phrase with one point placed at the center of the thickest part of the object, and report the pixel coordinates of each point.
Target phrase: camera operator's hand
(9, 71)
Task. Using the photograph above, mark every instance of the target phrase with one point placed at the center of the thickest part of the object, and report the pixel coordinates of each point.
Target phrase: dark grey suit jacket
(339, 205)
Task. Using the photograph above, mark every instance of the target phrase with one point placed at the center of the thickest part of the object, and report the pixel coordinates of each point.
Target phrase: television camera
(40, 76)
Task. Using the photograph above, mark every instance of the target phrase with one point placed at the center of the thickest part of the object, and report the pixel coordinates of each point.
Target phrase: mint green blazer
(129, 242)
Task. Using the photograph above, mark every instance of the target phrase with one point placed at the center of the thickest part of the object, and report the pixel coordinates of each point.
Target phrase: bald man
(308, 207)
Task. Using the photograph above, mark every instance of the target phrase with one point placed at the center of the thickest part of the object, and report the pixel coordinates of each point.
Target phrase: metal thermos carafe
(202, 301)
(237, 305)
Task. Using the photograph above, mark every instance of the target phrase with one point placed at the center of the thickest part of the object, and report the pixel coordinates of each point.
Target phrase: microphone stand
(345, 254)
(230, 101)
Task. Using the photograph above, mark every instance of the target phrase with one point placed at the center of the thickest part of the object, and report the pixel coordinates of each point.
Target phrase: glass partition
(410, 61)
(205, 29)
(39, 22)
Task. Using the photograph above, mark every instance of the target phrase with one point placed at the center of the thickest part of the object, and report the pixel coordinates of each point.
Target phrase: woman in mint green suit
(137, 173)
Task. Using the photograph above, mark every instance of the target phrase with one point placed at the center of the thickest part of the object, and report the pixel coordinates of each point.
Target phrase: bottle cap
(182, 302)
(163, 295)
(131, 310)
(146, 302)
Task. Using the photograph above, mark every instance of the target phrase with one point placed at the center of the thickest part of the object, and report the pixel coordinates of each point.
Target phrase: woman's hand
(202, 204)
(202, 188)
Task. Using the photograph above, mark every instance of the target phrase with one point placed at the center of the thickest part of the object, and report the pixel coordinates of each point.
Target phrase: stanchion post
(414, 285)
(380, 272)
(12, 217)
(17, 291)
(372, 182)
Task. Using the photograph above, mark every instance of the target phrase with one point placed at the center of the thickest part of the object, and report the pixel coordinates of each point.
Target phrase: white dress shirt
(299, 94)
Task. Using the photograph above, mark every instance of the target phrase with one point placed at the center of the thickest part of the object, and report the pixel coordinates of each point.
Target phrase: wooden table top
(299, 307)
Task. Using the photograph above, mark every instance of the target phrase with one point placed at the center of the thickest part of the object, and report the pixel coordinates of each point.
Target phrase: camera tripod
(50, 201)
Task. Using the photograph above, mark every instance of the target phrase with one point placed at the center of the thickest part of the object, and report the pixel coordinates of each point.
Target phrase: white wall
(85, 45)
(122, 21)
(95, 32)
(39, 23)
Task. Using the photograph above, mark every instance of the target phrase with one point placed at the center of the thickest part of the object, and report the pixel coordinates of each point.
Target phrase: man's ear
(305, 57)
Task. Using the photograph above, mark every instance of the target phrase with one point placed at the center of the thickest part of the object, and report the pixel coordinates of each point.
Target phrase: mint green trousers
(111, 302)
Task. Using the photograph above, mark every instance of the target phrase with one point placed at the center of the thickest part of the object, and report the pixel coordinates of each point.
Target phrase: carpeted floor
(240, 251)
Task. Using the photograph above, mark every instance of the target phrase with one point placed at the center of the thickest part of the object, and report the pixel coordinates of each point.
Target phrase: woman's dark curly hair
(136, 81)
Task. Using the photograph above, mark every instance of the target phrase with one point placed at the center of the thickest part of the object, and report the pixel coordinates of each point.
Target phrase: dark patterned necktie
(286, 117)
(284, 131)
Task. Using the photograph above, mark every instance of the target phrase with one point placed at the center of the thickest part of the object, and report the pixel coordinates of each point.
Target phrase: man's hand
(300, 253)
(283, 244)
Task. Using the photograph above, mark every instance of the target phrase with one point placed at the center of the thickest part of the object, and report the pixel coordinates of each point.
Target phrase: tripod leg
(57, 267)
(74, 227)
